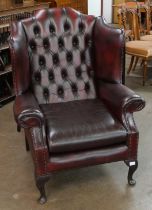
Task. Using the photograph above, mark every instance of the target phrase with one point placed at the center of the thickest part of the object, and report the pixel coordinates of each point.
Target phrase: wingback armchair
(68, 70)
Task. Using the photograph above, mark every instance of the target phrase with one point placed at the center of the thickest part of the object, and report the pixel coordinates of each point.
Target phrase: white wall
(107, 10)
(94, 8)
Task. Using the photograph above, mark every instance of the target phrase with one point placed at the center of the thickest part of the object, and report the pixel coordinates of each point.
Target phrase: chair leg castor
(133, 165)
(27, 144)
(40, 183)
(42, 200)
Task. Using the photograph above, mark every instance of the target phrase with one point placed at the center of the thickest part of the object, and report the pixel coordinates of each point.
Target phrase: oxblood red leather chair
(68, 70)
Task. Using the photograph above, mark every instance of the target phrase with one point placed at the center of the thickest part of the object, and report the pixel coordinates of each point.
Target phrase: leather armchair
(68, 72)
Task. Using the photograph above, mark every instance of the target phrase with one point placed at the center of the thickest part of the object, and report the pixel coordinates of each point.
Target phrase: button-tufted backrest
(59, 46)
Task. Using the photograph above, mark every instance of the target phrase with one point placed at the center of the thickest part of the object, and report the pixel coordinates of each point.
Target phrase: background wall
(107, 10)
(94, 8)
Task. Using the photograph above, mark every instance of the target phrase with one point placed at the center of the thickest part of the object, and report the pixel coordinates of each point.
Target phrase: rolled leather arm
(27, 112)
(120, 100)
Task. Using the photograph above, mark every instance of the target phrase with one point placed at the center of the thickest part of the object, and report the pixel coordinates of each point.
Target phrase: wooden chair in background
(129, 16)
(138, 48)
(129, 35)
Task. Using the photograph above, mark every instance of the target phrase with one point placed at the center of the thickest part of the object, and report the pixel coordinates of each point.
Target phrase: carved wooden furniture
(145, 8)
(141, 47)
(125, 21)
(79, 5)
(13, 9)
(70, 100)
(6, 83)
(137, 49)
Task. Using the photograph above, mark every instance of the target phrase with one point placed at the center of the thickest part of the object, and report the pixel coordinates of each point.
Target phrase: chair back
(146, 22)
(129, 19)
(59, 43)
(136, 18)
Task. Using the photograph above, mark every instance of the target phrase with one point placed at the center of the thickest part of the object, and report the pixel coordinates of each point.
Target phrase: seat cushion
(139, 48)
(146, 38)
(81, 125)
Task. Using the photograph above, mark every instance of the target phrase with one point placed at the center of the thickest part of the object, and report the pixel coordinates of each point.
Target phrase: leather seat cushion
(81, 125)
(139, 48)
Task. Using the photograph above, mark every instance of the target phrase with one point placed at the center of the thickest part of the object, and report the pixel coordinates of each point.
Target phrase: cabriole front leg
(18, 128)
(40, 183)
(27, 144)
(133, 165)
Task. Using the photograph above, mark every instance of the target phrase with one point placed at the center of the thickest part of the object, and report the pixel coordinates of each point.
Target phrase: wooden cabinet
(76, 4)
(6, 83)
(8, 3)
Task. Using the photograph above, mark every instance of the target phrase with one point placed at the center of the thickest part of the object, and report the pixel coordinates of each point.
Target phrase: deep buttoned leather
(59, 44)
(60, 55)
